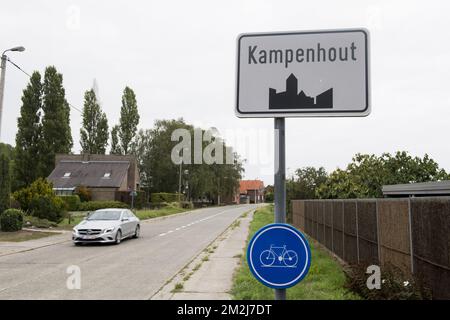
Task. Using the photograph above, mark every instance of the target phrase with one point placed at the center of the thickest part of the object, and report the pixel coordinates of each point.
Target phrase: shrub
(38, 188)
(71, 202)
(40, 201)
(140, 200)
(396, 285)
(96, 205)
(83, 193)
(268, 197)
(51, 208)
(11, 220)
(39, 223)
(165, 197)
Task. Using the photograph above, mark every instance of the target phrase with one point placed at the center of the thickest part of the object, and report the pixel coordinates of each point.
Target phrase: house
(107, 177)
(251, 191)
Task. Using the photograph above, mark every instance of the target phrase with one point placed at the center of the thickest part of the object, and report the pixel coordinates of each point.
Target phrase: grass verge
(166, 211)
(325, 280)
(23, 235)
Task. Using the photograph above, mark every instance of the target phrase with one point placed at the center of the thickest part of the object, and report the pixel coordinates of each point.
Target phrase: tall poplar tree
(27, 166)
(94, 131)
(57, 137)
(115, 144)
(129, 119)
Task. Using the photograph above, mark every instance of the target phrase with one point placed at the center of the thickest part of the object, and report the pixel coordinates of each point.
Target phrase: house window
(107, 175)
(67, 175)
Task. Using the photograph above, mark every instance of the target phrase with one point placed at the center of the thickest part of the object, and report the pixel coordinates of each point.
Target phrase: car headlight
(108, 230)
(74, 230)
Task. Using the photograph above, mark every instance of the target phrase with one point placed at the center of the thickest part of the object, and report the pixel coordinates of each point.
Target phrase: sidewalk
(210, 275)
(7, 248)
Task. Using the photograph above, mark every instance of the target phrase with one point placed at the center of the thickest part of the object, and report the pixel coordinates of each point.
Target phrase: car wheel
(118, 237)
(137, 232)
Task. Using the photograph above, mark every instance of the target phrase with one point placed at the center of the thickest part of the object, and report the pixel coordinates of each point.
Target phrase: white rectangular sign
(303, 74)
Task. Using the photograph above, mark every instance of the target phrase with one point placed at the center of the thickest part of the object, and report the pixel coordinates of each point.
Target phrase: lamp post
(2, 79)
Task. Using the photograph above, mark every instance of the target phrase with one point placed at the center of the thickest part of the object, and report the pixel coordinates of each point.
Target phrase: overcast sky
(179, 57)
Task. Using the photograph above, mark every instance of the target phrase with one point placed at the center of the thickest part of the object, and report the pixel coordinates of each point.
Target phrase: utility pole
(2, 88)
(179, 181)
(4, 58)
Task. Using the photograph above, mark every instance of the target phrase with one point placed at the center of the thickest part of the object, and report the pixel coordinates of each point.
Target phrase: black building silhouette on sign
(291, 99)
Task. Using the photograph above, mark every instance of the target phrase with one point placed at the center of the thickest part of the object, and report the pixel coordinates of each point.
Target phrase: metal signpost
(301, 74)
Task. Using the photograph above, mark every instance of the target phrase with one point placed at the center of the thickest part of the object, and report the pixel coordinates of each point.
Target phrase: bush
(165, 197)
(11, 220)
(38, 223)
(38, 188)
(83, 193)
(40, 201)
(96, 205)
(50, 208)
(140, 200)
(396, 285)
(71, 202)
(268, 197)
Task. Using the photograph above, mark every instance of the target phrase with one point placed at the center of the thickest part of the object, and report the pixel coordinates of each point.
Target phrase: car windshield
(104, 215)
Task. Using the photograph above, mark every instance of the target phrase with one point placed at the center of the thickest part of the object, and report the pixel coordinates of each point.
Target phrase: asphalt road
(135, 269)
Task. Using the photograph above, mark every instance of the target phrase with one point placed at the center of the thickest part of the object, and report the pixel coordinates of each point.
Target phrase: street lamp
(2, 79)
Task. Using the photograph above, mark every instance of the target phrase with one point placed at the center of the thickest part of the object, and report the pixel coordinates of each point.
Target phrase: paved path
(135, 269)
(214, 279)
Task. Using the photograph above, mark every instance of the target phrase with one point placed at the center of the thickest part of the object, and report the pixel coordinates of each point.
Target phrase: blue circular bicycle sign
(279, 256)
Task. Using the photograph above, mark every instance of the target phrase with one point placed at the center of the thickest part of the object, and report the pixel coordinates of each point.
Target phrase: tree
(94, 131)
(153, 149)
(305, 183)
(115, 145)
(56, 134)
(365, 176)
(27, 166)
(141, 148)
(129, 119)
(5, 187)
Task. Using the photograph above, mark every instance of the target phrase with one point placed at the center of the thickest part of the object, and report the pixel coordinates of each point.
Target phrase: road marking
(194, 222)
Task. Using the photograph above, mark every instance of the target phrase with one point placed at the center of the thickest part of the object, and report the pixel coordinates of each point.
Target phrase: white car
(107, 226)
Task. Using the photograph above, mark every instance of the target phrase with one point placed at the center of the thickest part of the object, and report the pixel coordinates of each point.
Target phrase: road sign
(303, 74)
(279, 256)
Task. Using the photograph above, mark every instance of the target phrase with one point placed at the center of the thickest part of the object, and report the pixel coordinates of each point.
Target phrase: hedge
(165, 197)
(96, 205)
(72, 202)
(11, 220)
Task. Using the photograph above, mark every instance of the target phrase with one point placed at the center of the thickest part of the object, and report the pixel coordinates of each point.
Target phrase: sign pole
(280, 183)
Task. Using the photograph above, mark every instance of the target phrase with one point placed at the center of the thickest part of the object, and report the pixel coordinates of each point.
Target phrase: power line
(15, 65)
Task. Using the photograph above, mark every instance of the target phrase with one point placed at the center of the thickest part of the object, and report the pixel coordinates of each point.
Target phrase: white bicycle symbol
(284, 258)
